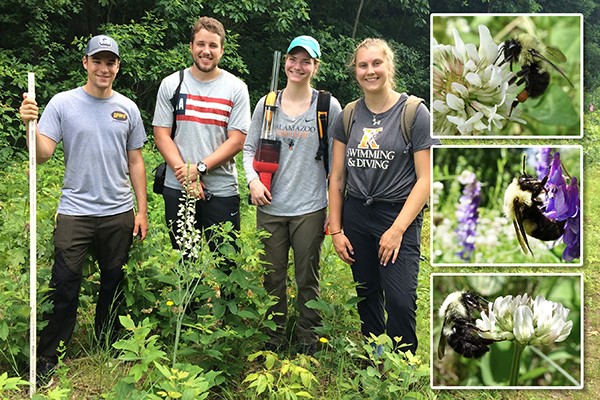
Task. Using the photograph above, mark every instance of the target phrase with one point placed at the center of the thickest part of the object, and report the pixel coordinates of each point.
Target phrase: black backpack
(323, 100)
(160, 172)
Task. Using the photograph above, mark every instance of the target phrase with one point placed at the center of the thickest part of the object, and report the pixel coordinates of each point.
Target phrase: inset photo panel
(507, 331)
(500, 205)
(507, 75)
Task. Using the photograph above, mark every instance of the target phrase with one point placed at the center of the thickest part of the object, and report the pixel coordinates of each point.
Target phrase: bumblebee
(459, 312)
(534, 57)
(524, 206)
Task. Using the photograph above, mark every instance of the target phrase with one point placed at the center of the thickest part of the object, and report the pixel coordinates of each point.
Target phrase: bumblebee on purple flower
(546, 209)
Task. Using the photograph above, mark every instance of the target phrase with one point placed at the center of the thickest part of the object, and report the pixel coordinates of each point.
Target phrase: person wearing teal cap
(308, 43)
(294, 210)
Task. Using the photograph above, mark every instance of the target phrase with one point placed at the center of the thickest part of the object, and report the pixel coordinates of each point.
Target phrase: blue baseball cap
(102, 43)
(308, 43)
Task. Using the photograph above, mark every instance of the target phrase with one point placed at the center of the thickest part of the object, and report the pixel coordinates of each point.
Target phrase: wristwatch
(202, 168)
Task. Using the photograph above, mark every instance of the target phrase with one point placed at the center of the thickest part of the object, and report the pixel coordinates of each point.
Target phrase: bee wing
(520, 229)
(482, 302)
(556, 55)
(442, 343)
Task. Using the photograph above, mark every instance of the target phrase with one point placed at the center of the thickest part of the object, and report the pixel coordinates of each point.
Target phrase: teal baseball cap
(308, 43)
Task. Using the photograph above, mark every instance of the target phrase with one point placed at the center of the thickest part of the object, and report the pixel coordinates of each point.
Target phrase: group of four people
(378, 183)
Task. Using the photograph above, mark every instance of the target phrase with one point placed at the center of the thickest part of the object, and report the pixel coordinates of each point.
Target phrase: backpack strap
(323, 101)
(174, 101)
(277, 97)
(348, 117)
(407, 118)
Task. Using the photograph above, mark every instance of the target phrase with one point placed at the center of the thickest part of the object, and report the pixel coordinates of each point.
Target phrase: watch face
(201, 168)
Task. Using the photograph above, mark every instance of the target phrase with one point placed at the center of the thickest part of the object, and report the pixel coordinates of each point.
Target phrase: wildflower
(556, 188)
(523, 324)
(170, 303)
(572, 237)
(551, 322)
(542, 162)
(188, 235)
(564, 205)
(467, 214)
(471, 94)
(524, 319)
(436, 188)
(323, 340)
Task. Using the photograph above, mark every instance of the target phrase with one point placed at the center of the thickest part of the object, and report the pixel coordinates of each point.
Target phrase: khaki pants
(304, 235)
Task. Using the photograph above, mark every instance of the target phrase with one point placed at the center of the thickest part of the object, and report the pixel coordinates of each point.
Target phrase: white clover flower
(471, 94)
(523, 324)
(551, 321)
(489, 328)
(528, 321)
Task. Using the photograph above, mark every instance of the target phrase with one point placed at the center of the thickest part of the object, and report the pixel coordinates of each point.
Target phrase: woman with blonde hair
(378, 187)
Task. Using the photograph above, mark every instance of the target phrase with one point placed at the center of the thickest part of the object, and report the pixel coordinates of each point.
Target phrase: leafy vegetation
(219, 352)
(190, 330)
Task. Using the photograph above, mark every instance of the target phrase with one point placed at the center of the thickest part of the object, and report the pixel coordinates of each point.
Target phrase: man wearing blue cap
(102, 135)
(294, 210)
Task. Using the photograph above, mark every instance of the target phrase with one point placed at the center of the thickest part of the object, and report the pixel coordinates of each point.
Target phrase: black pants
(110, 238)
(390, 289)
(208, 213)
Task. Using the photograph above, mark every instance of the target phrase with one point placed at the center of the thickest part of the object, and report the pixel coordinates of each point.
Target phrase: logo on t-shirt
(368, 154)
(203, 109)
(119, 116)
(369, 137)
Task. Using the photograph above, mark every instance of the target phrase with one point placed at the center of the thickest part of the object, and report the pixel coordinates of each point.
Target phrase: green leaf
(127, 322)
(3, 330)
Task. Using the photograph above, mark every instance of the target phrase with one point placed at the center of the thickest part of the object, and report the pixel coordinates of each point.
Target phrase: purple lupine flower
(542, 162)
(467, 214)
(572, 237)
(556, 188)
(563, 205)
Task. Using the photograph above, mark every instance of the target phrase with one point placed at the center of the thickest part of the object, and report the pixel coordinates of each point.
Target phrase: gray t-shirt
(378, 163)
(299, 185)
(96, 135)
(206, 111)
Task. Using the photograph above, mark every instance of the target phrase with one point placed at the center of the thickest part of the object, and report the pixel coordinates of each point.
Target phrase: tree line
(49, 37)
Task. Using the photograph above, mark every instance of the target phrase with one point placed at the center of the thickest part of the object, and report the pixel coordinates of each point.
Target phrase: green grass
(92, 372)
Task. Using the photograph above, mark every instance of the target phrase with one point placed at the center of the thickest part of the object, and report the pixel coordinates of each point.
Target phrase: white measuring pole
(31, 131)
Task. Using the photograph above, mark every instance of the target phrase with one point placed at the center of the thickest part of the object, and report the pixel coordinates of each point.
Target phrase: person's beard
(203, 68)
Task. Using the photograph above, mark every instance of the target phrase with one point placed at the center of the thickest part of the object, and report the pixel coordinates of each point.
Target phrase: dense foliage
(48, 37)
(222, 359)
(187, 328)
